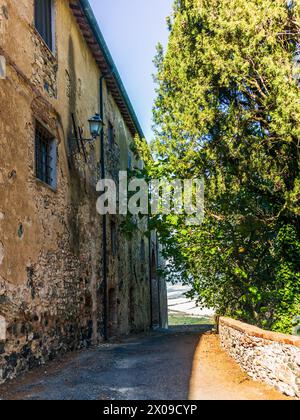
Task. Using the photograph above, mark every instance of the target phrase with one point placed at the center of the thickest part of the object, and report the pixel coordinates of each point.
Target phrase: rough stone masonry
(51, 236)
(266, 356)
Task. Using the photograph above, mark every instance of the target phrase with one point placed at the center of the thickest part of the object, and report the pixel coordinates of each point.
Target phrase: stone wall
(51, 272)
(266, 356)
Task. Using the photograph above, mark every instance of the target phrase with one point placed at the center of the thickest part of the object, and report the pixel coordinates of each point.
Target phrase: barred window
(129, 164)
(44, 20)
(45, 156)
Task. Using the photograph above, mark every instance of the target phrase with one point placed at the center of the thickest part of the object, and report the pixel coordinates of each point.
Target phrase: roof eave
(90, 29)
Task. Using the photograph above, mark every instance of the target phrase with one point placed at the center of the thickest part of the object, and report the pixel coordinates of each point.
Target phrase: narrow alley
(183, 363)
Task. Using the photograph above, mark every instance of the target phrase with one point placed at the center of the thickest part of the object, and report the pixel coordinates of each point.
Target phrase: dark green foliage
(228, 110)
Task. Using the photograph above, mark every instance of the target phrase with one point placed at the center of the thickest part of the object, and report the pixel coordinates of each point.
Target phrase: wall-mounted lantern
(96, 125)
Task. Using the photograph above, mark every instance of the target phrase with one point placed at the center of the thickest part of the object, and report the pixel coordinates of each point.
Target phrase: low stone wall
(266, 356)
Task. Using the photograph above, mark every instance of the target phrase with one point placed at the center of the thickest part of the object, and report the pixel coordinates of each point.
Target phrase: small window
(45, 156)
(44, 20)
(111, 135)
(114, 242)
(129, 164)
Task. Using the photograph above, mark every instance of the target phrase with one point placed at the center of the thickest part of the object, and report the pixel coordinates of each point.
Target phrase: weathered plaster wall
(264, 355)
(51, 241)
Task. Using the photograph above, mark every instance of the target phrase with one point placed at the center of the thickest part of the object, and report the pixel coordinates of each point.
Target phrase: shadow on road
(155, 366)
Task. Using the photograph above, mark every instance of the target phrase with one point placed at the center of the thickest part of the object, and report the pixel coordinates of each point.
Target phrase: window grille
(45, 156)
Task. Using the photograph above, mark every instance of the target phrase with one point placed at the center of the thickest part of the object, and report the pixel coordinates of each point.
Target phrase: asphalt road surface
(180, 364)
(152, 367)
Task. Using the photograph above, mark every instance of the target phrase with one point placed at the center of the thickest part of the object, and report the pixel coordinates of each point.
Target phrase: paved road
(180, 364)
(153, 367)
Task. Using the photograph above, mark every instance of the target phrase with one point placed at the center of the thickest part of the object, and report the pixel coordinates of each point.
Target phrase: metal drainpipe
(158, 281)
(150, 273)
(104, 222)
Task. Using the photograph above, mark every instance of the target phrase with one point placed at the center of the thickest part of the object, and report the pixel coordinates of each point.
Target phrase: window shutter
(43, 20)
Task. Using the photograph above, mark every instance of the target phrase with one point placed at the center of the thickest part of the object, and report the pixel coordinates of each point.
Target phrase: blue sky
(132, 29)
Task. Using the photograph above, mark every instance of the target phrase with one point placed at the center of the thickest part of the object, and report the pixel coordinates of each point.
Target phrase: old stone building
(69, 277)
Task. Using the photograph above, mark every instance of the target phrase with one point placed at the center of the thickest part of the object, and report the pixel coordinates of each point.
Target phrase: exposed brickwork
(44, 66)
(266, 356)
